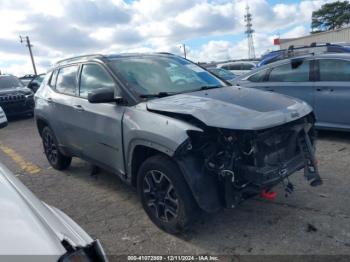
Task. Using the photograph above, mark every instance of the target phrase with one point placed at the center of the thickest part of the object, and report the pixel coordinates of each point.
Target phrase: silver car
(31, 230)
(323, 81)
(184, 138)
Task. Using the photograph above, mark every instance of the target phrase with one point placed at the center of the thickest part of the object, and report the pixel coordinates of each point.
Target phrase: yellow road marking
(25, 165)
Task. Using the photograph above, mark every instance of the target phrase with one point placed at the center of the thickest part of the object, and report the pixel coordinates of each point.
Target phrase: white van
(238, 67)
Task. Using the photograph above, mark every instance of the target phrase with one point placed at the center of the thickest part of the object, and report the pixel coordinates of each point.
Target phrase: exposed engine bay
(246, 163)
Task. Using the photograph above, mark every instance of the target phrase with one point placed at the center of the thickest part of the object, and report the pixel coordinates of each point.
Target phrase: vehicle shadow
(337, 136)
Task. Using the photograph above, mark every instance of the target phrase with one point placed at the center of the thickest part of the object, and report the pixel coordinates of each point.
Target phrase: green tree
(331, 16)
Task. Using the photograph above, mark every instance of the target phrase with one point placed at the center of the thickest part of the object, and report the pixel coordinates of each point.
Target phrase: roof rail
(71, 59)
(312, 49)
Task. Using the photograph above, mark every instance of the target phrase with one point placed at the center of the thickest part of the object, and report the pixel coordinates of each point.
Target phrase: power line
(27, 41)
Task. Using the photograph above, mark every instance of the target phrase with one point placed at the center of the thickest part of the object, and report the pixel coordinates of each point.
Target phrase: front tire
(56, 159)
(165, 195)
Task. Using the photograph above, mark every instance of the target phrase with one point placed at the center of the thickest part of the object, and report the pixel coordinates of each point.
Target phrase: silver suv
(187, 140)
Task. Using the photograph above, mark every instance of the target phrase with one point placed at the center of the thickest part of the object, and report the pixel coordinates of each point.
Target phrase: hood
(28, 226)
(234, 107)
(15, 90)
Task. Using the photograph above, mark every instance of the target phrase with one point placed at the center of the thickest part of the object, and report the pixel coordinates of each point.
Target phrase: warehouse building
(341, 35)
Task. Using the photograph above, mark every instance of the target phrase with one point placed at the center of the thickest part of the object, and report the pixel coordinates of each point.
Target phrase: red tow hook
(269, 195)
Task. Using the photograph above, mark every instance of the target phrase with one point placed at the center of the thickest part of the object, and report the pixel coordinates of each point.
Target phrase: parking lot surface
(310, 221)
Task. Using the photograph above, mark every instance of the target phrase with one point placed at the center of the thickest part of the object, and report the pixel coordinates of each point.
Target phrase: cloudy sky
(211, 29)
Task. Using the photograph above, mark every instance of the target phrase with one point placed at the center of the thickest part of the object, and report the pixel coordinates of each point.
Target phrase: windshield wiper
(160, 94)
(209, 87)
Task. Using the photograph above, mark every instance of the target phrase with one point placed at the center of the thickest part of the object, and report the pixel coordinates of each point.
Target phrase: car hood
(12, 90)
(30, 227)
(234, 107)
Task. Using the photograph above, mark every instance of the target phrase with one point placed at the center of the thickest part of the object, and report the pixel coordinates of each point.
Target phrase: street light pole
(184, 48)
(26, 39)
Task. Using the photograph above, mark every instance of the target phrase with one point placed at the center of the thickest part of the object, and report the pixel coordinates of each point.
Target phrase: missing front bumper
(262, 179)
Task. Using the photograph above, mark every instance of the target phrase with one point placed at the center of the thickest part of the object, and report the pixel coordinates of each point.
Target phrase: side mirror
(103, 95)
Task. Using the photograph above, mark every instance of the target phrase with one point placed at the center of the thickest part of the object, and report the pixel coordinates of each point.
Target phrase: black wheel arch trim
(62, 149)
(204, 187)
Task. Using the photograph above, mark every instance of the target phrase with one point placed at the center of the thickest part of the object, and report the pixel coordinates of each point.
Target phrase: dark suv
(182, 136)
(15, 98)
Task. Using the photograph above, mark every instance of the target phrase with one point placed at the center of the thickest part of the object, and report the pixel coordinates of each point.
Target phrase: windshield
(222, 72)
(9, 82)
(38, 79)
(146, 75)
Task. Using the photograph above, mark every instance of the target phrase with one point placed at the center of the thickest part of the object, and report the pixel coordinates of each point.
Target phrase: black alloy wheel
(56, 159)
(160, 195)
(50, 148)
(165, 194)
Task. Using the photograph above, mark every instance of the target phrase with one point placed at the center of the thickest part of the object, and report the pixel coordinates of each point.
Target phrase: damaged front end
(246, 163)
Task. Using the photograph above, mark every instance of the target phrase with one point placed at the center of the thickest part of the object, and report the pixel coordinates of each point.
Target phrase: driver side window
(94, 77)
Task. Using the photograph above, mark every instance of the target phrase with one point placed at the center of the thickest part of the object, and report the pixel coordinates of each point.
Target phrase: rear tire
(165, 195)
(56, 159)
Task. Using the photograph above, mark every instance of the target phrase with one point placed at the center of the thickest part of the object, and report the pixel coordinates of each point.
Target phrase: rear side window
(66, 80)
(334, 70)
(285, 73)
(93, 77)
(258, 77)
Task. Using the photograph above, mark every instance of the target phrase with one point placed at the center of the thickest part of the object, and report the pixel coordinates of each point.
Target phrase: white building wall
(335, 36)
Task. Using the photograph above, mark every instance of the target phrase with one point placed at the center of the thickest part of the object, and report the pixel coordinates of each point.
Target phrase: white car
(31, 230)
(3, 118)
(238, 67)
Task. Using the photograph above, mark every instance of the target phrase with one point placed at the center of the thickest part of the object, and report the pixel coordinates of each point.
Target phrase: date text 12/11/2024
(173, 258)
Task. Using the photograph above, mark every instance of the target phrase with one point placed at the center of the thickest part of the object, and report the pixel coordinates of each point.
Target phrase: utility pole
(27, 41)
(183, 47)
(249, 32)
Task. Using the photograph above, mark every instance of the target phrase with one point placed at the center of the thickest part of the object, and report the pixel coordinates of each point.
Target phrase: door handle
(78, 107)
(49, 100)
(328, 89)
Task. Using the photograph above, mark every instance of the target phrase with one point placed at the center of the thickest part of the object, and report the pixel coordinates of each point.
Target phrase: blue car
(323, 81)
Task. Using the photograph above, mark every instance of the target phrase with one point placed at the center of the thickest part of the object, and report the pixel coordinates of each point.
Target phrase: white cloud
(296, 32)
(61, 28)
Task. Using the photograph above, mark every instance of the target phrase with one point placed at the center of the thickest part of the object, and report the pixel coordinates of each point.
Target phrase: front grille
(12, 98)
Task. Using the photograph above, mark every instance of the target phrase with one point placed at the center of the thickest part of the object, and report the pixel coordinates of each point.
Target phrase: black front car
(15, 99)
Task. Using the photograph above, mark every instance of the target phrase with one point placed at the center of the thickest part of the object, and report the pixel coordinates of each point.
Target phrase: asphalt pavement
(310, 221)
